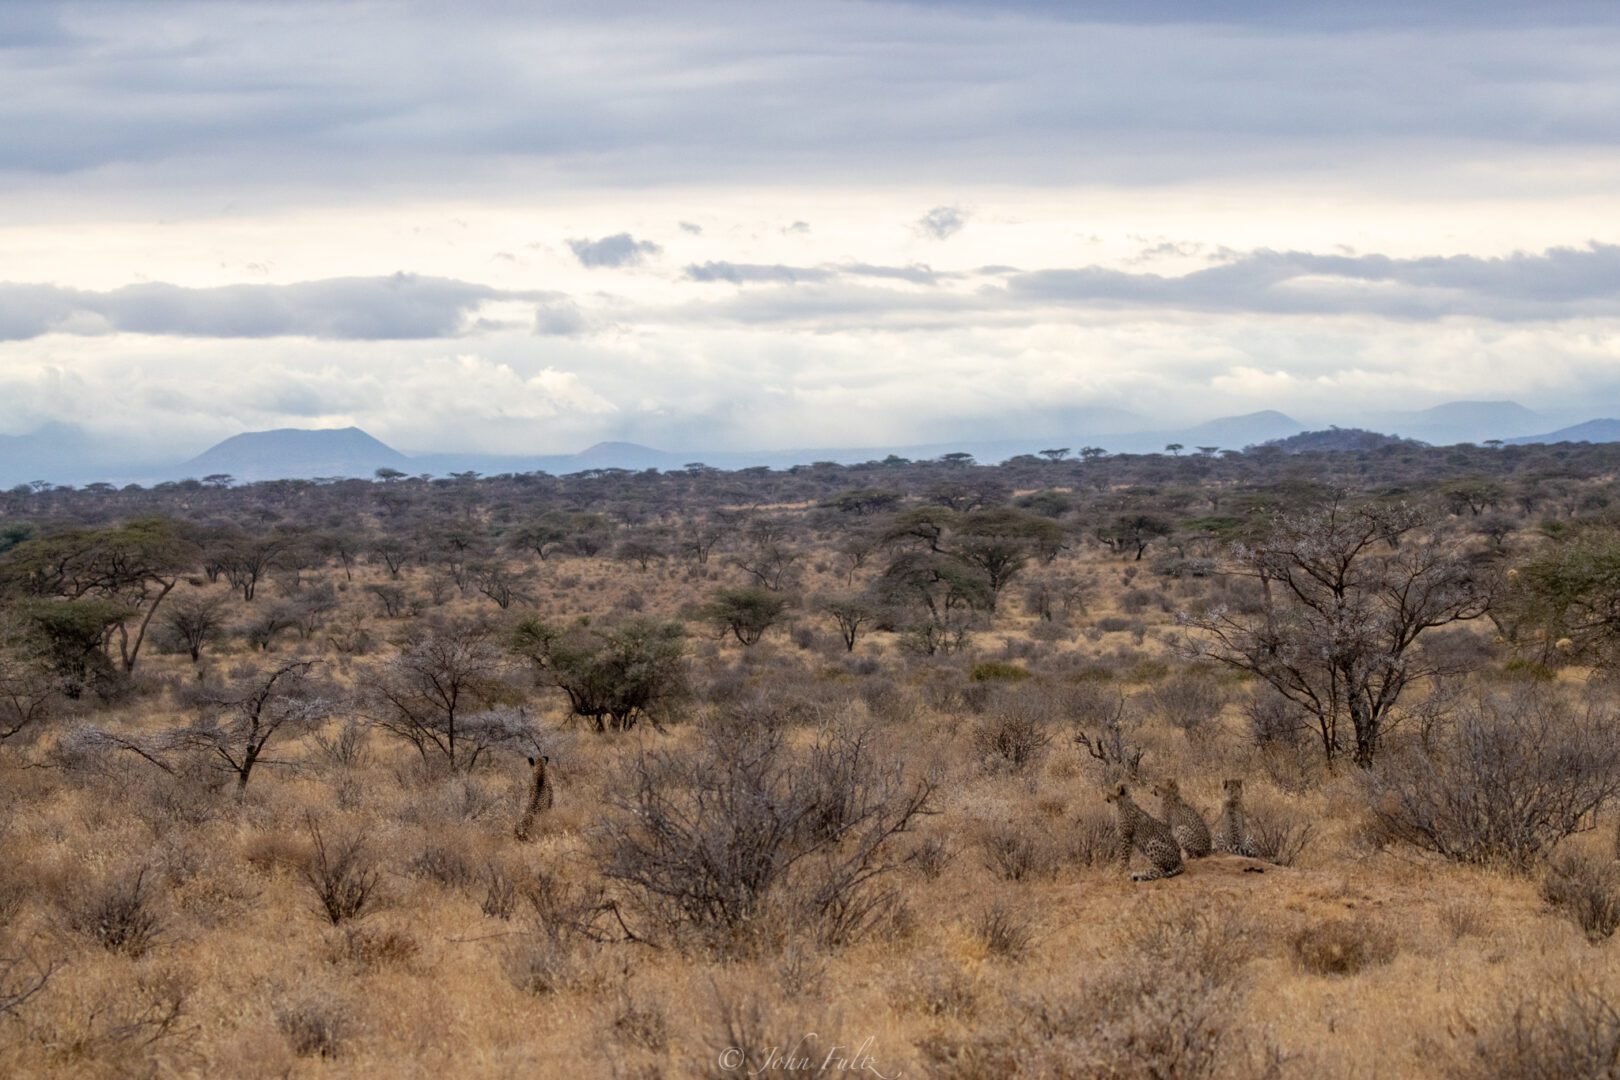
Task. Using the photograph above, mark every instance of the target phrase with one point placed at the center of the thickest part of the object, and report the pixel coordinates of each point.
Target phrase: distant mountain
(604, 455)
(1227, 432)
(295, 453)
(1339, 440)
(1463, 421)
(62, 454)
(1593, 431)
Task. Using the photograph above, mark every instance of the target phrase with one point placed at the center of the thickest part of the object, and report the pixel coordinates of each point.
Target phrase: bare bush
(500, 892)
(930, 857)
(1139, 1020)
(1017, 853)
(708, 841)
(1190, 701)
(539, 964)
(342, 876)
(130, 1027)
(120, 914)
(367, 949)
(1549, 1034)
(1004, 932)
(348, 749)
(1013, 737)
(1094, 839)
(1341, 946)
(641, 1022)
(1587, 890)
(1515, 774)
(316, 1023)
(443, 863)
(1106, 730)
(1278, 836)
(1211, 941)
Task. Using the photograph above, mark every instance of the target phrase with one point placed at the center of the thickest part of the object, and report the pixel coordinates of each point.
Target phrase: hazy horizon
(742, 227)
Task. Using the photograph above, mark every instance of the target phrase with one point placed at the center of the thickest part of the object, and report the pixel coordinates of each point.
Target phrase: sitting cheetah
(1232, 830)
(1186, 824)
(1152, 837)
(541, 796)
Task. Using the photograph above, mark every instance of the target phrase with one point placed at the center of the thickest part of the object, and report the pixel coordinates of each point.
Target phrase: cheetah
(1185, 823)
(541, 796)
(1152, 837)
(1232, 830)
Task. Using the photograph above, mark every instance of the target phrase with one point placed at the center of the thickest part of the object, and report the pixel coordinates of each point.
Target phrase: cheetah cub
(1232, 830)
(1186, 824)
(541, 796)
(1152, 837)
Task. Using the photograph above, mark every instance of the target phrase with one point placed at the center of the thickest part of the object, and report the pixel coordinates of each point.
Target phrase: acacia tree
(247, 559)
(1133, 532)
(434, 693)
(852, 613)
(999, 543)
(1346, 594)
(745, 613)
(612, 675)
(194, 620)
(1570, 595)
(128, 568)
(542, 536)
(241, 717)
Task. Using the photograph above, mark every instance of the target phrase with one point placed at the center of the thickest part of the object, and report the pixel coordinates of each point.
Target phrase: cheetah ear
(546, 758)
(1118, 790)
(531, 763)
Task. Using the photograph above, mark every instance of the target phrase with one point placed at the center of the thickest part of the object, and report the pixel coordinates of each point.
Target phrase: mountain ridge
(64, 453)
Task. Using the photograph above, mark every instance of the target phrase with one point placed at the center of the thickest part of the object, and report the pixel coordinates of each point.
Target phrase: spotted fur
(541, 796)
(1186, 824)
(1232, 829)
(1147, 834)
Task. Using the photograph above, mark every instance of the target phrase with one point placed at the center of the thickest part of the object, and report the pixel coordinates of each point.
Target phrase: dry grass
(408, 934)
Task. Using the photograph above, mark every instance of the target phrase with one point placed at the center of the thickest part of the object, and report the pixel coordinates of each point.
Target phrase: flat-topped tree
(129, 568)
(612, 674)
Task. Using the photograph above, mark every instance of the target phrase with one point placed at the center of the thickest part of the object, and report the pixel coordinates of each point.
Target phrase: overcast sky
(706, 225)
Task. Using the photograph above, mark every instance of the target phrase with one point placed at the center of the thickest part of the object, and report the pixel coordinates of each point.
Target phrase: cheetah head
(1234, 788)
(1117, 792)
(1166, 787)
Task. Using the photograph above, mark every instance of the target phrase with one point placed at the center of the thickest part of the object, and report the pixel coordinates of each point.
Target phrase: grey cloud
(1559, 283)
(1291, 14)
(800, 227)
(620, 249)
(235, 93)
(400, 307)
(943, 222)
(754, 273)
(780, 274)
(691, 227)
(916, 273)
(558, 316)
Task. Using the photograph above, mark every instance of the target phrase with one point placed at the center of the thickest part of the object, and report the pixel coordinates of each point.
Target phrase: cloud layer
(398, 307)
(731, 224)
